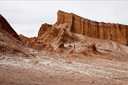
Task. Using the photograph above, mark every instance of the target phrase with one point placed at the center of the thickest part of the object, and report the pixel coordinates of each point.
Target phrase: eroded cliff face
(107, 31)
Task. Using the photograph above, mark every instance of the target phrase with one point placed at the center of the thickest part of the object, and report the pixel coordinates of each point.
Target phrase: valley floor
(49, 68)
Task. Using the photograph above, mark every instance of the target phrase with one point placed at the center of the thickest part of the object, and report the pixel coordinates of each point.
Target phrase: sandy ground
(56, 69)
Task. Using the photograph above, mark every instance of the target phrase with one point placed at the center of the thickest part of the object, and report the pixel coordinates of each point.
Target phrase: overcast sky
(26, 17)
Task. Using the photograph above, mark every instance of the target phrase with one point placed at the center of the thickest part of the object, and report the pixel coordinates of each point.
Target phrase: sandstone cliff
(107, 31)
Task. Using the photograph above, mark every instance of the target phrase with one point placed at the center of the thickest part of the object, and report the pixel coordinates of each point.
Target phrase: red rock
(27, 41)
(43, 28)
(107, 31)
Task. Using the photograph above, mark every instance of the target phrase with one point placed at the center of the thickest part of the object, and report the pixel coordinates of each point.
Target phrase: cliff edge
(94, 29)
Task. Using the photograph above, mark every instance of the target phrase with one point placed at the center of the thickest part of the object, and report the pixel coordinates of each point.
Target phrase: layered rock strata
(94, 29)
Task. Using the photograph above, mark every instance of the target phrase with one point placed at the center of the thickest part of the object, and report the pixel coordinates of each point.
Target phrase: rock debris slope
(73, 51)
(10, 42)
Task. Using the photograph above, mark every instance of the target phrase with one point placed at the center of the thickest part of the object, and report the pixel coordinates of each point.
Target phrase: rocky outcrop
(11, 43)
(5, 26)
(51, 37)
(107, 31)
(27, 41)
(68, 37)
(42, 29)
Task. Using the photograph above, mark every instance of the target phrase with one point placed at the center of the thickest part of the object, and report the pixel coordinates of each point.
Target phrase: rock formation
(107, 31)
(71, 35)
(10, 42)
(50, 37)
(4, 25)
(72, 49)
